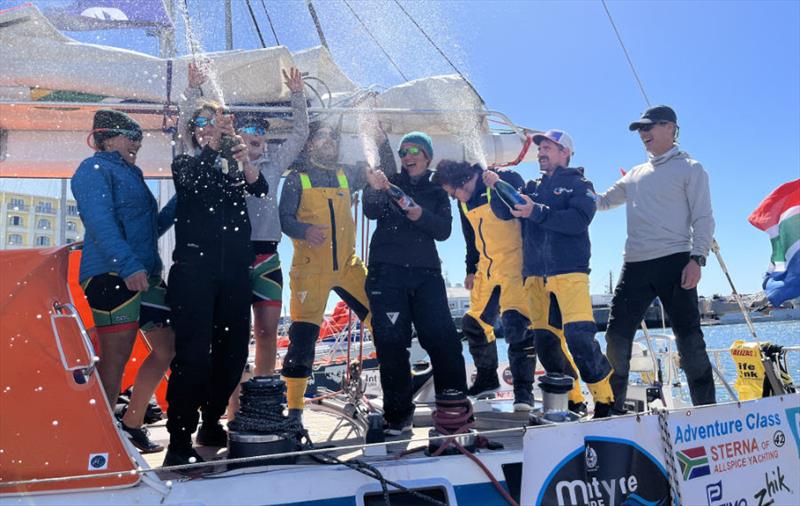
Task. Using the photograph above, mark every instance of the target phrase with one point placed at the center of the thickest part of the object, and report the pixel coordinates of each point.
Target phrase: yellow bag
(750, 374)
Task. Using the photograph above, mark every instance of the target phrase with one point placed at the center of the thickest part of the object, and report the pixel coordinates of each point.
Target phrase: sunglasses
(253, 130)
(202, 121)
(413, 150)
(647, 128)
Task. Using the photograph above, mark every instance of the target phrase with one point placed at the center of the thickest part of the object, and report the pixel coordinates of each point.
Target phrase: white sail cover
(42, 65)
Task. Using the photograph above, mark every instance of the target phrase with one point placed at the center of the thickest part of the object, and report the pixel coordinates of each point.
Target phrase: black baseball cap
(655, 115)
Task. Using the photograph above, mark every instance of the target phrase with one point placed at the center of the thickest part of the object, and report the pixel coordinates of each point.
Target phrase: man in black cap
(670, 229)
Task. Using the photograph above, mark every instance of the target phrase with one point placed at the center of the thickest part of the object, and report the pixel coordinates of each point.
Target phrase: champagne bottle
(508, 194)
(399, 196)
(230, 165)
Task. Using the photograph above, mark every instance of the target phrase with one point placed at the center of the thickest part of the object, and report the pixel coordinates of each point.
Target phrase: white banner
(739, 454)
(603, 463)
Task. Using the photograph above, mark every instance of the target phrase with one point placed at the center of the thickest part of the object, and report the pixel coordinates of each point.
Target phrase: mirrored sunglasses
(202, 121)
(134, 135)
(413, 150)
(253, 130)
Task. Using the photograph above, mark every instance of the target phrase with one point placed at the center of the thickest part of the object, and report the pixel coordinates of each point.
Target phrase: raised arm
(283, 156)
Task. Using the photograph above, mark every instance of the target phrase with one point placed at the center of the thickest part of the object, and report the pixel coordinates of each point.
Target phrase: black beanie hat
(107, 124)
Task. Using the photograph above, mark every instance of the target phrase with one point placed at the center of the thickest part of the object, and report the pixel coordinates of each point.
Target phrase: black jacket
(556, 234)
(211, 222)
(400, 241)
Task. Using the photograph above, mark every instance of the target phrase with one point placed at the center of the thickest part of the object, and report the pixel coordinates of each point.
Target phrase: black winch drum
(243, 444)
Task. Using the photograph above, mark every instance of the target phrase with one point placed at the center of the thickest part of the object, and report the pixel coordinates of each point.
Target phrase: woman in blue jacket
(120, 268)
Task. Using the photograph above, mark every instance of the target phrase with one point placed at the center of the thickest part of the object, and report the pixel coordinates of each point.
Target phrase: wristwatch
(700, 259)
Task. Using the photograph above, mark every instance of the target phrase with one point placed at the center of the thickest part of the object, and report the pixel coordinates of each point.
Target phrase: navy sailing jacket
(120, 215)
(556, 234)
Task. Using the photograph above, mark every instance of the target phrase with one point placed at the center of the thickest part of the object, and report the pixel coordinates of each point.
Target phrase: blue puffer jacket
(556, 234)
(121, 217)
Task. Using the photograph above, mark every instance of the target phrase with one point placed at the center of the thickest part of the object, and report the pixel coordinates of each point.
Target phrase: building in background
(33, 221)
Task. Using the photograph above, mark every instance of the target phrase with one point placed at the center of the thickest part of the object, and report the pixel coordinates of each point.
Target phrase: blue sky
(730, 69)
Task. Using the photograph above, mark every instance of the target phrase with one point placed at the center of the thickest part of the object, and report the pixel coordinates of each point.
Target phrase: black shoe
(601, 410)
(398, 428)
(212, 435)
(523, 399)
(485, 383)
(181, 457)
(141, 439)
(579, 408)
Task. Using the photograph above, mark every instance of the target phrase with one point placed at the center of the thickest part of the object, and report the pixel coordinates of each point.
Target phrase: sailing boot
(486, 383)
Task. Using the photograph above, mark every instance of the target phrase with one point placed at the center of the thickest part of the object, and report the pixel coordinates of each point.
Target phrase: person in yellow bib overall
(555, 217)
(494, 278)
(315, 212)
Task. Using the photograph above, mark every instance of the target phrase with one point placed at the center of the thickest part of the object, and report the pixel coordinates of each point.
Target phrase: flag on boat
(83, 15)
(779, 216)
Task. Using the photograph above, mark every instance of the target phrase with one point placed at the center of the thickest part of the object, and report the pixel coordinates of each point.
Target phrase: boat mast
(317, 25)
(229, 26)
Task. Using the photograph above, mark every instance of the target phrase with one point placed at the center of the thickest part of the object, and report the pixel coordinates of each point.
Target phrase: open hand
(198, 73)
(690, 276)
(293, 80)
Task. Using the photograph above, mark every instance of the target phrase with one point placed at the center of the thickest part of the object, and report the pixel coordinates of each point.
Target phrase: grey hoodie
(264, 218)
(668, 206)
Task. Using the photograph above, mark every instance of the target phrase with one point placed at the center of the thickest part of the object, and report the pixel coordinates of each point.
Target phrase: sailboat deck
(320, 427)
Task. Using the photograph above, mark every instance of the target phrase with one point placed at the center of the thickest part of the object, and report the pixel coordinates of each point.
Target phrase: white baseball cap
(560, 137)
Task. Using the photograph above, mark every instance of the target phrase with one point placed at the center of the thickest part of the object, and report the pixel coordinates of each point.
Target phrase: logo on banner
(774, 487)
(693, 462)
(742, 453)
(793, 417)
(591, 459)
(715, 496)
(606, 471)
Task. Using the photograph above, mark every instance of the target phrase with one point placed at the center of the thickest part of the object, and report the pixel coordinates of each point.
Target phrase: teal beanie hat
(420, 139)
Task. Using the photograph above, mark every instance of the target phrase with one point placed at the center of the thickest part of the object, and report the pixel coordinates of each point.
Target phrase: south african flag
(779, 216)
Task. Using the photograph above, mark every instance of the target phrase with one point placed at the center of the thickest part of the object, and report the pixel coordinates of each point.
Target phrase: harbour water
(785, 333)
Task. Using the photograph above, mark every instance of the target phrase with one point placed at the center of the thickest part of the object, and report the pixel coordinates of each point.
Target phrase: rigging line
(271, 26)
(440, 51)
(625, 50)
(364, 26)
(255, 23)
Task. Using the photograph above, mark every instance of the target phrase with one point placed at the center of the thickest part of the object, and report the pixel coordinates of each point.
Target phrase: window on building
(44, 224)
(16, 204)
(72, 226)
(70, 240)
(72, 210)
(42, 240)
(14, 239)
(44, 207)
(16, 221)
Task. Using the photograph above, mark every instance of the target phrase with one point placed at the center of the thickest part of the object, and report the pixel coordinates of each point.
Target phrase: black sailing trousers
(399, 297)
(639, 284)
(211, 318)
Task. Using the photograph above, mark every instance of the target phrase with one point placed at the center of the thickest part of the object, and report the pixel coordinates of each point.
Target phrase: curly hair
(455, 174)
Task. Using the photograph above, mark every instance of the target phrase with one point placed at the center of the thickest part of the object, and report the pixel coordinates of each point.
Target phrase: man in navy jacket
(555, 228)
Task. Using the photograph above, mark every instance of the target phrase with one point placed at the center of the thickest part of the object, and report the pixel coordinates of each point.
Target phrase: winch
(260, 427)
(453, 415)
(555, 400)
